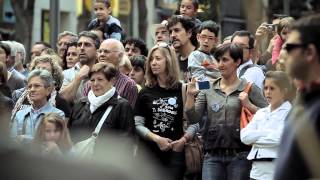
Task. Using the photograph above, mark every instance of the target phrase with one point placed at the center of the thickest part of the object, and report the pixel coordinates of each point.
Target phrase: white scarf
(96, 102)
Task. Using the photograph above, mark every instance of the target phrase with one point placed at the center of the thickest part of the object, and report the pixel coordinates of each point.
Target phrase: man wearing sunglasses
(300, 145)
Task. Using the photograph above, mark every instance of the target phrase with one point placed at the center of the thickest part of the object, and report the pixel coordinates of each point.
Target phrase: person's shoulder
(6, 101)
(113, 20)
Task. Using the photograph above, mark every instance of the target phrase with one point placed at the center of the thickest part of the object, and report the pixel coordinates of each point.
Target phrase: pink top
(276, 49)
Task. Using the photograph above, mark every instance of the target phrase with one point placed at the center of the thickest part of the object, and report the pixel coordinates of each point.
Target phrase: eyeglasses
(106, 51)
(289, 47)
(205, 37)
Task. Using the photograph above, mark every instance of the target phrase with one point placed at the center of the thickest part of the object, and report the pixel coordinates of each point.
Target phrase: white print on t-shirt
(164, 111)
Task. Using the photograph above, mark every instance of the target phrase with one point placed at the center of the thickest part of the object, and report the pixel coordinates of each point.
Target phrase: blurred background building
(28, 21)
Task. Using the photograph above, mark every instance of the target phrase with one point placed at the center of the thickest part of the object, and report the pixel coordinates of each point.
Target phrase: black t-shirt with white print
(163, 111)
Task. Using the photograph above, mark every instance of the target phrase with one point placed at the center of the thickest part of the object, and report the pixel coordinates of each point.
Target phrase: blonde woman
(159, 110)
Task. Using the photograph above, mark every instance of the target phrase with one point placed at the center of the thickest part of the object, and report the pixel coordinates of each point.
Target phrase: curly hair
(56, 68)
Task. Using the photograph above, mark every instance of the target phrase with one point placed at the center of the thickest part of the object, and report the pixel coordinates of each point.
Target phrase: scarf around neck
(96, 102)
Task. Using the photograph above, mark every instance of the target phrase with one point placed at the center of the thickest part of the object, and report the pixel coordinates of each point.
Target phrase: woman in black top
(159, 110)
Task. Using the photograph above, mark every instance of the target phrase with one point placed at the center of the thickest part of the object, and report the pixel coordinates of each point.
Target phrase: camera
(201, 85)
(271, 27)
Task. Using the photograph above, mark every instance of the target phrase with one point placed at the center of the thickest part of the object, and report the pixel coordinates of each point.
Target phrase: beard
(176, 44)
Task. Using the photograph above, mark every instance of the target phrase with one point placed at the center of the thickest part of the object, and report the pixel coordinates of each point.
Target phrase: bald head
(111, 50)
(114, 43)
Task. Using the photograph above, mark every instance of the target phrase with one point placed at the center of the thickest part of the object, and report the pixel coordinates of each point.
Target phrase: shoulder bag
(246, 116)
(85, 148)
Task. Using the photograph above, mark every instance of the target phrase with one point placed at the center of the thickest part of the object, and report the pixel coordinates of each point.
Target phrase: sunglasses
(289, 47)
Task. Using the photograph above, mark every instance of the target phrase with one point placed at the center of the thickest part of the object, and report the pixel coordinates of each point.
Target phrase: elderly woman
(48, 63)
(26, 121)
(87, 113)
(225, 156)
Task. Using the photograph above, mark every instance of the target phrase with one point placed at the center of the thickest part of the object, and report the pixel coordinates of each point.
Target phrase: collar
(77, 66)
(47, 108)
(96, 102)
(245, 64)
(241, 86)
(284, 106)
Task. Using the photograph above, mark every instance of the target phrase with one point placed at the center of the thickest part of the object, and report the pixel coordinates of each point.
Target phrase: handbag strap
(104, 117)
(184, 97)
(248, 87)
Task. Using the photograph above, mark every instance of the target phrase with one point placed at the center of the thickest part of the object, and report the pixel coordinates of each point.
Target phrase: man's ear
(189, 33)
(312, 54)
(198, 37)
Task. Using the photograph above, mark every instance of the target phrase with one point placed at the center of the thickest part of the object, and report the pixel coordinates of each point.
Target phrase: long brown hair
(64, 142)
(172, 67)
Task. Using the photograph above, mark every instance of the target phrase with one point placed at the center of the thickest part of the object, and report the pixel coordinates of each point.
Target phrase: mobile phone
(201, 85)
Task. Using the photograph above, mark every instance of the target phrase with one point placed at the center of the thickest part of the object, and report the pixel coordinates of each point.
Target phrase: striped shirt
(126, 88)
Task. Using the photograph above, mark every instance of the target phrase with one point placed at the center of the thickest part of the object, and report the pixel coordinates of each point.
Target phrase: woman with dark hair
(225, 154)
(87, 113)
(70, 57)
(138, 70)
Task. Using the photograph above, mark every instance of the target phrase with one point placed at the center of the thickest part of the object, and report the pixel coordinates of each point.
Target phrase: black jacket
(82, 122)
(291, 163)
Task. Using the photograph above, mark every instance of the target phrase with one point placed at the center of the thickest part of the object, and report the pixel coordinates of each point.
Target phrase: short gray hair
(67, 33)
(44, 75)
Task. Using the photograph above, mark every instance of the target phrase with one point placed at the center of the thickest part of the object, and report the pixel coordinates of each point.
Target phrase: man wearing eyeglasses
(75, 85)
(299, 149)
(247, 70)
(112, 51)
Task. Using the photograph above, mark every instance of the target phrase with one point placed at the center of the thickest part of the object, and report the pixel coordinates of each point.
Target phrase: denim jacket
(26, 120)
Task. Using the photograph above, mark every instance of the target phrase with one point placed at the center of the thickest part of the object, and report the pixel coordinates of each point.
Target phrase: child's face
(284, 34)
(101, 11)
(187, 8)
(274, 95)
(207, 40)
(51, 132)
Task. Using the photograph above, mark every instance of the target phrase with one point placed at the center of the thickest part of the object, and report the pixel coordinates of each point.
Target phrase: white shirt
(253, 74)
(68, 77)
(264, 131)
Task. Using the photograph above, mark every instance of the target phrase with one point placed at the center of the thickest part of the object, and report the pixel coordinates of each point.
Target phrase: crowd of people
(61, 97)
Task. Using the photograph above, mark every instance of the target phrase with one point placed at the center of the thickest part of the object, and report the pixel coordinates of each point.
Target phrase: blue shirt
(27, 120)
